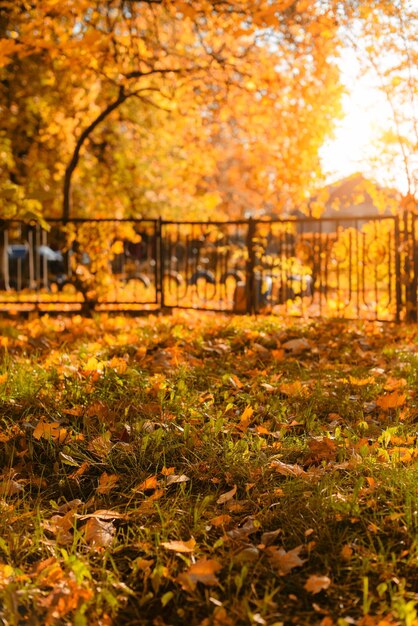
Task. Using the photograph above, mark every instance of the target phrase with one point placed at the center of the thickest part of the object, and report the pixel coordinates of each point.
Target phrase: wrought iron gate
(337, 267)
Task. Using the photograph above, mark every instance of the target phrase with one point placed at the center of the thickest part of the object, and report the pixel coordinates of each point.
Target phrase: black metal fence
(343, 267)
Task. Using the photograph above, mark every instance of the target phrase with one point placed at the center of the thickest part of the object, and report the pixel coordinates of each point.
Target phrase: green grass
(119, 436)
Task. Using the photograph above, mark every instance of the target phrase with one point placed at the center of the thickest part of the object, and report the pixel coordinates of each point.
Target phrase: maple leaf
(284, 561)
(203, 571)
(50, 430)
(315, 583)
(392, 400)
(107, 482)
(148, 484)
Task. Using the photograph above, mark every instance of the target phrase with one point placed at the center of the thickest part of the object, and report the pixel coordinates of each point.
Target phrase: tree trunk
(66, 206)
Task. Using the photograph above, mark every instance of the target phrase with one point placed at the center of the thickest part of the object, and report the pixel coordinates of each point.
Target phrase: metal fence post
(250, 266)
(398, 284)
(160, 263)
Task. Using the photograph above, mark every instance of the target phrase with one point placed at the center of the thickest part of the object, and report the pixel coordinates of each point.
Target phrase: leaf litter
(187, 458)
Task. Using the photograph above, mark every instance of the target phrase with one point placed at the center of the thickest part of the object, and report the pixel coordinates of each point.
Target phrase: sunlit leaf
(315, 583)
(203, 571)
(180, 546)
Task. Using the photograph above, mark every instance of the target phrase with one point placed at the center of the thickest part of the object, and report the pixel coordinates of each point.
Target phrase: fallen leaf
(167, 471)
(361, 382)
(221, 520)
(98, 532)
(103, 514)
(107, 482)
(269, 537)
(245, 418)
(10, 487)
(250, 526)
(284, 561)
(50, 430)
(321, 449)
(149, 483)
(287, 470)
(392, 400)
(180, 546)
(225, 497)
(315, 583)
(203, 571)
(292, 389)
(296, 346)
(174, 478)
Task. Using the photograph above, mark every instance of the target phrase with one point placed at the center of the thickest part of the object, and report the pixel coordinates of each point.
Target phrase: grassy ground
(208, 470)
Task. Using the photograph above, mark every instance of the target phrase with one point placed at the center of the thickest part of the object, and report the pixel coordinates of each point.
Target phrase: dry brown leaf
(180, 546)
(10, 487)
(249, 527)
(98, 532)
(269, 537)
(103, 514)
(296, 346)
(284, 561)
(288, 470)
(203, 571)
(175, 478)
(315, 583)
(346, 552)
(225, 497)
(107, 482)
(322, 449)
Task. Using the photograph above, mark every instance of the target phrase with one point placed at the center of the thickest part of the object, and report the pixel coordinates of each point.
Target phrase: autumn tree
(70, 70)
(384, 36)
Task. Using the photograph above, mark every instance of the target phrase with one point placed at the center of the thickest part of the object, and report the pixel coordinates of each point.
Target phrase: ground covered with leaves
(208, 470)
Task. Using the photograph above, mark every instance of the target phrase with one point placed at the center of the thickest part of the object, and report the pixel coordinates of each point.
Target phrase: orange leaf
(284, 561)
(167, 471)
(221, 520)
(315, 584)
(50, 430)
(291, 389)
(225, 497)
(180, 546)
(107, 482)
(360, 382)
(392, 400)
(245, 418)
(119, 365)
(203, 571)
(149, 483)
(3, 378)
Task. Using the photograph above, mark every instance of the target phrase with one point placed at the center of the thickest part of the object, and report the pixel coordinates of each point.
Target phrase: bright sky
(366, 115)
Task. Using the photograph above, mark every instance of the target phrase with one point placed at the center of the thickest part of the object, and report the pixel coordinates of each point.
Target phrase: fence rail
(347, 267)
